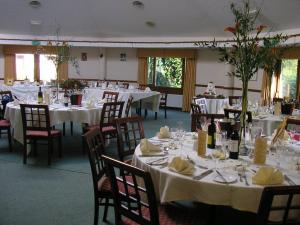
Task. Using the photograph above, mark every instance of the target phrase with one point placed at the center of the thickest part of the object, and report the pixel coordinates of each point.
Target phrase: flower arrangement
(72, 84)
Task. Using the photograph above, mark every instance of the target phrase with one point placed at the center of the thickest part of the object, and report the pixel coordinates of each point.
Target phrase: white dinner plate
(228, 177)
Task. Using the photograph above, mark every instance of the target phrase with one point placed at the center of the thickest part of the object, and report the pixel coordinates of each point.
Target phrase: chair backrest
(291, 121)
(125, 85)
(110, 96)
(233, 100)
(202, 104)
(110, 112)
(136, 200)
(142, 86)
(237, 113)
(5, 97)
(163, 99)
(197, 118)
(130, 132)
(285, 205)
(95, 145)
(128, 106)
(277, 100)
(195, 108)
(35, 118)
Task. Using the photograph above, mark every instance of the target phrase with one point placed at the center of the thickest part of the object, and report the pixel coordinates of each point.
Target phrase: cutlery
(156, 160)
(222, 177)
(193, 162)
(246, 181)
(289, 180)
(202, 175)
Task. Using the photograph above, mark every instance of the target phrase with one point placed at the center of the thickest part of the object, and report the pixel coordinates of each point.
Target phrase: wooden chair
(5, 97)
(101, 183)
(277, 100)
(197, 118)
(234, 100)
(110, 112)
(142, 207)
(36, 126)
(237, 113)
(142, 86)
(291, 121)
(163, 103)
(284, 209)
(130, 131)
(125, 85)
(202, 104)
(128, 106)
(195, 108)
(110, 96)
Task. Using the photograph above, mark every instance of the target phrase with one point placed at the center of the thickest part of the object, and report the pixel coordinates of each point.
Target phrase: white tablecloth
(215, 105)
(171, 186)
(151, 99)
(58, 114)
(268, 122)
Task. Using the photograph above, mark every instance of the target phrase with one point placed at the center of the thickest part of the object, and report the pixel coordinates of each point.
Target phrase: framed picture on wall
(123, 57)
(83, 56)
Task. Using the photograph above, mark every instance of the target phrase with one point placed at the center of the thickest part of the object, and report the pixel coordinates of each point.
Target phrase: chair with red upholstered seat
(36, 126)
(110, 96)
(130, 131)
(128, 106)
(5, 97)
(146, 210)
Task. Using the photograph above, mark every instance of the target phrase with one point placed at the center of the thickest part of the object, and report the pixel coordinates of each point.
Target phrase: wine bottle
(66, 98)
(211, 134)
(234, 145)
(40, 96)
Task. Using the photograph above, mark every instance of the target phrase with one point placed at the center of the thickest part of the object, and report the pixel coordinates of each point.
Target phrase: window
(47, 69)
(25, 64)
(288, 78)
(165, 72)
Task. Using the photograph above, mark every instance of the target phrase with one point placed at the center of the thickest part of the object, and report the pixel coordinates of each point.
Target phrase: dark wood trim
(229, 88)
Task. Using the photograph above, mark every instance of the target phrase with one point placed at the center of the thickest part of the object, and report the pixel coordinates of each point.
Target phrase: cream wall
(1, 62)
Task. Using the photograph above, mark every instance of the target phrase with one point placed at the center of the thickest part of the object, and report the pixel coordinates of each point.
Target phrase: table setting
(180, 173)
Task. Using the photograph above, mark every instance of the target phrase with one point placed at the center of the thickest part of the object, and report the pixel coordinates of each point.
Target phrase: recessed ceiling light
(35, 4)
(35, 22)
(150, 23)
(138, 4)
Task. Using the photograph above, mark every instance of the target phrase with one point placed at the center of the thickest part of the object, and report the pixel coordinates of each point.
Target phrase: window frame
(170, 90)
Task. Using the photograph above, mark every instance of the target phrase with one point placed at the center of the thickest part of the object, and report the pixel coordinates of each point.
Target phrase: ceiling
(113, 19)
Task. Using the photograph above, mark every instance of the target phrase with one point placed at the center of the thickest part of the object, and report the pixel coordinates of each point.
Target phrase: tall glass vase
(242, 147)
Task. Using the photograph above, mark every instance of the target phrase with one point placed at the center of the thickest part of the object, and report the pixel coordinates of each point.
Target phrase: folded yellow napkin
(267, 176)
(219, 154)
(279, 135)
(260, 150)
(148, 148)
(164, 132)
(202, 143)
(182, 166)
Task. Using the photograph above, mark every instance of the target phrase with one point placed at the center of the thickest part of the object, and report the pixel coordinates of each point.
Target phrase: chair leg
(34, 148)
(9, 139)
(146, 113)
(64, 128)
(71, 126)
(25, 152)
(59, 147)
(50, 150)
(155, 115)
(165, 112)
(105, 210)
(96, 215)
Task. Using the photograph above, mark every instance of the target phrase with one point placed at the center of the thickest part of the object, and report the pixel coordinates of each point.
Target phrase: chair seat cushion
(105, 185)
(37, 133)
(104, 129)
(4, 123)
(170, 215)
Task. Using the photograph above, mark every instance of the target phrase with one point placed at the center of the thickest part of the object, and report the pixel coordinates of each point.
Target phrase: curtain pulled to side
(265, 87)
(142, 70)
(298, 83)
(189, 84)
(277, 78)
(9, 68)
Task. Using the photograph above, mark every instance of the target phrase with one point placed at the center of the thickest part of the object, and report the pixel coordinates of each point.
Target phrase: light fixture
(35, 22)
(35, 4)
(138, 4)
(150, 23)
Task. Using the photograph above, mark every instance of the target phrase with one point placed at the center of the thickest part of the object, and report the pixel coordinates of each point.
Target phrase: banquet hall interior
(149, 112)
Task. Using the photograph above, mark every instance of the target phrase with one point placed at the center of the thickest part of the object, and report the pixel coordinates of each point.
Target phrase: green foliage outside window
(289, 76)
(165, 72)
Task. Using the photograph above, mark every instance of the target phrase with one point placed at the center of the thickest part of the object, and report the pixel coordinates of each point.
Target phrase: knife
(154, 155)
(289, 180)
(222, 177)
(202, 175)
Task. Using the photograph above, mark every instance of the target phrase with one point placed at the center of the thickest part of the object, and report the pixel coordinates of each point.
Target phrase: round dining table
(59, 113)
(210, 188)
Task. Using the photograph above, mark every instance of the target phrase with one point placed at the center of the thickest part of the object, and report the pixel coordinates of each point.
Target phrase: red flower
(230, 29)
(260, 28)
